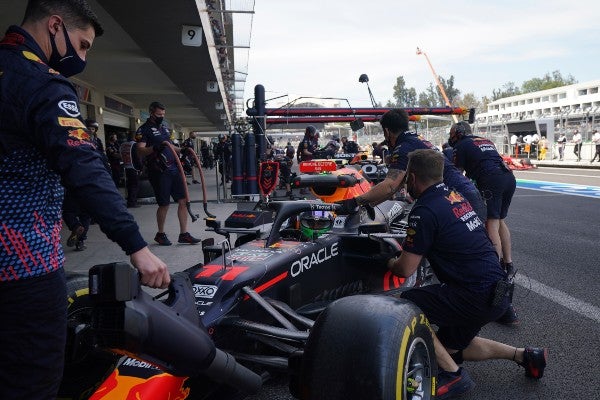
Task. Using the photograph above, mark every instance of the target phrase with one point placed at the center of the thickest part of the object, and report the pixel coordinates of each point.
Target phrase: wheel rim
(80, 336)
(417, 381)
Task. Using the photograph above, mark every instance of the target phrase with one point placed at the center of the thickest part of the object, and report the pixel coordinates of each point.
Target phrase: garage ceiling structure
(141, 58)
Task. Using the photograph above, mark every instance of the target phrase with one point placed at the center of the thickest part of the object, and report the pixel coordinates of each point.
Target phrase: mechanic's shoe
(187, 238)
(74, 237)
(510, 317)
(534, 361)
(162, 239)
(453, 384)
(195, 181)
(80, 246)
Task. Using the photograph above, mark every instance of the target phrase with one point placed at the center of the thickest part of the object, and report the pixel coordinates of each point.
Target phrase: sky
(320, 48)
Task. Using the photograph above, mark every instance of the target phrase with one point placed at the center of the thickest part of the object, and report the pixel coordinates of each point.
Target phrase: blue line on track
(562, 188)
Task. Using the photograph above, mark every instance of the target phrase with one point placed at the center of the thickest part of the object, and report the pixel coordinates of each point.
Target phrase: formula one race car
(302, 291)
(518, 164)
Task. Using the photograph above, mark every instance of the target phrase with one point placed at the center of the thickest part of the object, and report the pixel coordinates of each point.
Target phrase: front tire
(369, 347)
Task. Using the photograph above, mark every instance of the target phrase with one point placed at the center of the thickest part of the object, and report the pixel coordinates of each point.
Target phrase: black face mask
(158, 120)
(68, 65)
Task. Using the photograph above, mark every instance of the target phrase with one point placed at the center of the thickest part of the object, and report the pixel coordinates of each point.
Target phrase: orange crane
(437, 80)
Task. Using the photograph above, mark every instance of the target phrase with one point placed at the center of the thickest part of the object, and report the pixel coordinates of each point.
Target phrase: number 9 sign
(191, 35)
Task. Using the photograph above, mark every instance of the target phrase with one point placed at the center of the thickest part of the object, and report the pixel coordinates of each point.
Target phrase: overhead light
(100, 110)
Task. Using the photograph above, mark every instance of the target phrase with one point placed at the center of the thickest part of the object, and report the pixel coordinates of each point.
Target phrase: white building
(546, 112)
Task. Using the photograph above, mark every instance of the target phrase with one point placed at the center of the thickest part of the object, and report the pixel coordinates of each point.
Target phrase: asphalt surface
(556, 248)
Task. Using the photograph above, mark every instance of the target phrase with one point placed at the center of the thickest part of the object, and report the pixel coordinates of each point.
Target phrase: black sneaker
(534, 361)
(453, 384)
(74, 237)
(510, 317)
(162, 239)
(187, 238)
(195, 181)
(80, 245)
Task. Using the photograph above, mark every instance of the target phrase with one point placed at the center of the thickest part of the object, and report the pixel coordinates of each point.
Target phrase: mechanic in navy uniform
(163, 173)
(188, 144)
(131, 166)
(473, 288)
(349, 146)
(44, 144)
(93, 126)
(308, 145)
(332, 147)
(481, 162)
(223, 154)
(402, 141)
(113, 153)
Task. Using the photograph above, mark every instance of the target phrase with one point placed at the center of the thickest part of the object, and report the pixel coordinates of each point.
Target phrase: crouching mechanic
(474, 289)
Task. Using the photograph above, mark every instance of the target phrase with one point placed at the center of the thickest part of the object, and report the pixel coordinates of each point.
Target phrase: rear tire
(85, 367)
(369, 347)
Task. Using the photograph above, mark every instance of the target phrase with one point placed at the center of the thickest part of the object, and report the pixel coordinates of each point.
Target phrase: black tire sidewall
(359, 348)
(83, 374)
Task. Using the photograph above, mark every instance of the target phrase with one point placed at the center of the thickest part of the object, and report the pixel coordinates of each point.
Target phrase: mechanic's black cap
(91, 123)
(155, 104)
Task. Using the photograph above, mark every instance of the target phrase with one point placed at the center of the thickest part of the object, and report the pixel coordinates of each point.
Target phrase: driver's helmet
(314, 224)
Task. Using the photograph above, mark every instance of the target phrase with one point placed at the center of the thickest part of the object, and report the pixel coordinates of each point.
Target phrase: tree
(403, 96)
(451, 92)
(548, 81)
(430, 97)
(469, 100)
(507, 90)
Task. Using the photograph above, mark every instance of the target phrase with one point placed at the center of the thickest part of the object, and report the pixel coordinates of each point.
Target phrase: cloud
(323, 46)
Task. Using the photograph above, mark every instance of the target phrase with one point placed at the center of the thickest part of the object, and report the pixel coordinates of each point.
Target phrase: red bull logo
(455, 197)
(79, 134)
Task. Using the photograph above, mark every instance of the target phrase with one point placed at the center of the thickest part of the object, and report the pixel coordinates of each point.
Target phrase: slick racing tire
(85, 368)
(369, 347)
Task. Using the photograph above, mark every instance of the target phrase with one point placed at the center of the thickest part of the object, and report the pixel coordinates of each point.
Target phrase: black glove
(348, 206)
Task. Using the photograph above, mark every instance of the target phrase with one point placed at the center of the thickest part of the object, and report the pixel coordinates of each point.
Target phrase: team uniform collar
(402, 137)
(17, 36)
